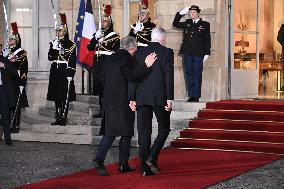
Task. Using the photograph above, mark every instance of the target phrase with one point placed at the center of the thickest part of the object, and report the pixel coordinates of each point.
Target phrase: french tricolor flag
(85, 29)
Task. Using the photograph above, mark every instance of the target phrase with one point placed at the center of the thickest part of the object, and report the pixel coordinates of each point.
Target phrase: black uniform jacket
(8, 74)
(18, 58)
(157, 85)
(59, 71)
(196, 37)
(110, 42)
(143, 36)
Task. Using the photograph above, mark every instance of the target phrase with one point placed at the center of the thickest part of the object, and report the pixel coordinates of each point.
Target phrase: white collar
(196, 20)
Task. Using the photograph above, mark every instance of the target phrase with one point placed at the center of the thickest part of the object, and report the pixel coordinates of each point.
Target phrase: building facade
(243, 42)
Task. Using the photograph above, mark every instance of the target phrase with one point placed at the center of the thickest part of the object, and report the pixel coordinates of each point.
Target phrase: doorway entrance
(256, 54)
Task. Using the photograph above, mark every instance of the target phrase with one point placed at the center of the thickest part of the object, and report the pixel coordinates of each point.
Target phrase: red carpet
(179, 169)
(236, 125)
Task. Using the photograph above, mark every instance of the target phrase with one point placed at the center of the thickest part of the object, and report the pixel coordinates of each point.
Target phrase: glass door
(245, 56)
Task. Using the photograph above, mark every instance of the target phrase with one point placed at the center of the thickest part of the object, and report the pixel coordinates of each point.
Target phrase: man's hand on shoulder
(150, 59)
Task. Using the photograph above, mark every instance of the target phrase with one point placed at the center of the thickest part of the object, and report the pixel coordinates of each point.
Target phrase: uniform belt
(61, 62)
(142, 44)
(106, 52)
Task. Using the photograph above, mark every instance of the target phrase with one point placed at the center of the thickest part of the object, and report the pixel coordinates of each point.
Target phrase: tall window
(36, 27)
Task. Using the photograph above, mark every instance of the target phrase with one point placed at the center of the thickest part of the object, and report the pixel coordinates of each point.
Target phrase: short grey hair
(157, 34)
(128, 42)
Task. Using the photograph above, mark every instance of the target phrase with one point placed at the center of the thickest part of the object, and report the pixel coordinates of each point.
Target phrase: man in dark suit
(7, 95)
(118, 119)
(280, 39)
(195, 48)
(154, 93)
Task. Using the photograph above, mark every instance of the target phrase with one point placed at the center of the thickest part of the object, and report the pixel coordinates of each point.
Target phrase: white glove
(56, 45)
(21, 89)
(184, 11)
(205, 58)
(5, 52)
(69, 79)
(138, 27)
(99, 34)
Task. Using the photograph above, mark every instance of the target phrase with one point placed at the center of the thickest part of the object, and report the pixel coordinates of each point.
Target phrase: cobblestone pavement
(28, 162)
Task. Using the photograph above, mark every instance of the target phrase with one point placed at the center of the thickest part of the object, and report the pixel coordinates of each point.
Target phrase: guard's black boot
(15, 129)
(57, 114)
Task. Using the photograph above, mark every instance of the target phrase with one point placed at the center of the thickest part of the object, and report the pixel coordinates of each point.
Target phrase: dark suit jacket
(157, 85)
(280, 36)
(7, 74)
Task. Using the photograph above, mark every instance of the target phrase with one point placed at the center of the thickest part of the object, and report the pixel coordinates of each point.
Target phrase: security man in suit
(7, 95)
(154, 93)
(105, 42)
(142, 29)
(195, 48)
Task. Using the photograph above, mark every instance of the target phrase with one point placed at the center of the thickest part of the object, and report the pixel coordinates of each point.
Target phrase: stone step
(182, 106)
(91, 99)
(51, 137)
(74, 118)
(78, 106)
(69, 129)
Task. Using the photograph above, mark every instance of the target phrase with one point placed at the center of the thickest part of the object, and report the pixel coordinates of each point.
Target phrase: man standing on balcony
(195, 48)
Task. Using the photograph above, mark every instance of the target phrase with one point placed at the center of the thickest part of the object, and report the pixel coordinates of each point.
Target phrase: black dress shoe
(154, 167)
(125, 169)
(189, 99)
(195, 99)
(100, 168)
(147, 173)
(97, 115)
(9, 142)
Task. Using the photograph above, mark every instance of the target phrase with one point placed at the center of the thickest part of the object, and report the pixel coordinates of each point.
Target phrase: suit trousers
(193, 67)
(124, 149)
(144, 126)
(4, 111)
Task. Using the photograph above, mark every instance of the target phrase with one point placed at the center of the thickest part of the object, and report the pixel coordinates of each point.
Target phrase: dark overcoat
(18, 58)
(58, 83)
(116, 75)
(7, 75)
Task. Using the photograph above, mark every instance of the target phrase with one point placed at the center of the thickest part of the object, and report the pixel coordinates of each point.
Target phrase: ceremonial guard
(18, 58)
(142, 29)
(61, 89)
(195, 48)
(105, 42)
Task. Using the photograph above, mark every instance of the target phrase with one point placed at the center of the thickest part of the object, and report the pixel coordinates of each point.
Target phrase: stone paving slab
(28, 162)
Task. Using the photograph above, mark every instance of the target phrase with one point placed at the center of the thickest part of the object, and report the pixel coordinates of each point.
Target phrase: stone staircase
(82, 128)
